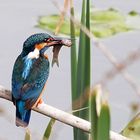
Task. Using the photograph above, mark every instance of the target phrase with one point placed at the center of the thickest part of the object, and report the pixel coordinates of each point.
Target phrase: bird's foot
(40, 101)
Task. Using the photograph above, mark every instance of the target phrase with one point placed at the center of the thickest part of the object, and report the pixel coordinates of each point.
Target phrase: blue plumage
(28, 79)
(27, 90)
(30, 73)
(27, 67)
(22, 114)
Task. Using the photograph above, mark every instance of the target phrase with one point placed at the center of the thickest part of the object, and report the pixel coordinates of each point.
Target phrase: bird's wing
(29, 89)
(17, 80)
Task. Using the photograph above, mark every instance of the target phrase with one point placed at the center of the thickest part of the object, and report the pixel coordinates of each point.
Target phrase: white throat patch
(34, 54)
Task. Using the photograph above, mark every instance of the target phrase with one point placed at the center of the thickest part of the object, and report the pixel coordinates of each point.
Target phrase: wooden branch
(61, 116)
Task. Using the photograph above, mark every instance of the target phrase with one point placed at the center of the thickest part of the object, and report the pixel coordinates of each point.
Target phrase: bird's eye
(45, 40)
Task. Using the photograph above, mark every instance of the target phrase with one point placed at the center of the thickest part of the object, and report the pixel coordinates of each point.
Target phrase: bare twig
(62, 16)
(61, 116)
(115, 63)
(130, 59)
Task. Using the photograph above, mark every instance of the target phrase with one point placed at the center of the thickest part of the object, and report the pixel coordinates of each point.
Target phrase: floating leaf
(133, 13)
(103, 23)
(132, 130)
(106, 15)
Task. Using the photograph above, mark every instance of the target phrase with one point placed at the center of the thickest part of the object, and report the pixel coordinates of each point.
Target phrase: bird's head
(38, 43)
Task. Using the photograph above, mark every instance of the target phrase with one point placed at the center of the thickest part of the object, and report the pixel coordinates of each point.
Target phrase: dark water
(17, 22)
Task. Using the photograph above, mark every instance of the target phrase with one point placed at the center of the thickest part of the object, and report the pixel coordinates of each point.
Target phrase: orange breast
(40, 46)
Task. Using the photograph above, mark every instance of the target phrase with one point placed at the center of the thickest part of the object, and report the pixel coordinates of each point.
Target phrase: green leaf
(27, 134)
(132, 130)
(103, 126)
(83, 72)
(73, 65)
(48, 129)
(73, 57)
(81, 55)
(104, 23)
(93, 113)
(133, 13)
(106, 15)
(50, 23)
(99, 115)
(87, 49)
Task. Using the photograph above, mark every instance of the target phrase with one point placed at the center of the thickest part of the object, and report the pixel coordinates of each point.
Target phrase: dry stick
(62, 15)
(124, 73)
(61, 116)
(105, 51)
(130, 59)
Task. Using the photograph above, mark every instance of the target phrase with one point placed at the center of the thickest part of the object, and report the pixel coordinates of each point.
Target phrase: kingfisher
(31, 71)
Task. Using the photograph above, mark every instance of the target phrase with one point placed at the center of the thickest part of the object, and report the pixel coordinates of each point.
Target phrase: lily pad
(132, 130)
(50, 23)
(133, 13)
(104, 23)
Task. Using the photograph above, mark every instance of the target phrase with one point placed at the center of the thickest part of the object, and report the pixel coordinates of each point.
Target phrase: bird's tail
(22, 114)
